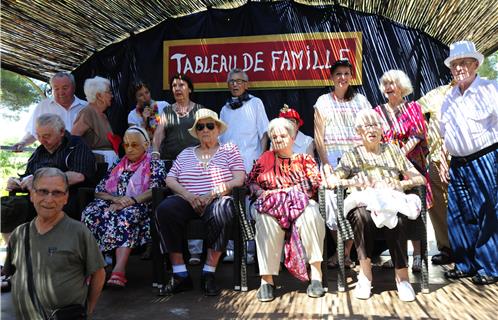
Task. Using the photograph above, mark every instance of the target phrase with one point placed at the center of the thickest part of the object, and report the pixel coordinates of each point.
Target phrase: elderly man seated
(60, 150)
(373, 170)
(285, 184)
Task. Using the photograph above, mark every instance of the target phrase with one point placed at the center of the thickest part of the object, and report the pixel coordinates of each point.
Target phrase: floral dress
(128, 227)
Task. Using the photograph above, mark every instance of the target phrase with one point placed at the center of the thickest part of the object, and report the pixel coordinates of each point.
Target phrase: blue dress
(128, 227)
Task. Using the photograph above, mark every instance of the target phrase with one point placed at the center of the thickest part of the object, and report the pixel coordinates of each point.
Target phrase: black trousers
(365, 233)
(174, 213)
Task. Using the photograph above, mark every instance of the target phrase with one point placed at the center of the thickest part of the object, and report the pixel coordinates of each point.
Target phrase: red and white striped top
(200, 178)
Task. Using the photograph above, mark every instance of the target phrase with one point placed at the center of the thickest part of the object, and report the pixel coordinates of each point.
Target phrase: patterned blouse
(271, 172)
(409, 123)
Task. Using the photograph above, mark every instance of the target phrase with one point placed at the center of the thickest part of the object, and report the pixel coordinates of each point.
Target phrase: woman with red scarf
(119, 215)
(285, 185)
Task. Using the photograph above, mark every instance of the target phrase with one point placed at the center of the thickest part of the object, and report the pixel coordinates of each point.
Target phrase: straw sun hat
(207, 114)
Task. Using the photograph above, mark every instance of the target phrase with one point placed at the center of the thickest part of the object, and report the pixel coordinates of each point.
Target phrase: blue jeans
(473, 214)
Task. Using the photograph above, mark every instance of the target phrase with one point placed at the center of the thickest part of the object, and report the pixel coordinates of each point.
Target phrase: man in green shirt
(67, 266)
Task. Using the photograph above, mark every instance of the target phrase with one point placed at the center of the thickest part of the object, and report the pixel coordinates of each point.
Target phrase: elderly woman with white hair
(285, 185)
(403, 124)
(119, 216)
(92, 123)
(201, 178)
(377, 166)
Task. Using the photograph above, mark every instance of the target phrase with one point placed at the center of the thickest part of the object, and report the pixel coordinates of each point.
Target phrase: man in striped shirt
(58, 149)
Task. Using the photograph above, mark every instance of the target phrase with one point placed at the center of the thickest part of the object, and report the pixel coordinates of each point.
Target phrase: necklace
(337, 98)
(182, 111)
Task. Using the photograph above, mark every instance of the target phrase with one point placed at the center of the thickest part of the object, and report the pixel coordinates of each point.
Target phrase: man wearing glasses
(54, 261)
(58, 149)
(247, 123)
(469, 126)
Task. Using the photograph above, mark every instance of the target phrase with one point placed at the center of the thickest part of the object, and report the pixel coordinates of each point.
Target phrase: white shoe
(363, 288)
(405, 291)
(229, 256)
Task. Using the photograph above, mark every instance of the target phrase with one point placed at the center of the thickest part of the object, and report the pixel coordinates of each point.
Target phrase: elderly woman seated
(92, 123)
(119, 216)
(201, 179)
(374, 169)
(285, 185)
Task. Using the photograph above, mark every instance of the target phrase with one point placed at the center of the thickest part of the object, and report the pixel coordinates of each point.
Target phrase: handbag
(70, 312)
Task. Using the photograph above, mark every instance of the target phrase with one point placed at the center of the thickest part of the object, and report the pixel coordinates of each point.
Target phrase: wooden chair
(415, 230)
(241, 233)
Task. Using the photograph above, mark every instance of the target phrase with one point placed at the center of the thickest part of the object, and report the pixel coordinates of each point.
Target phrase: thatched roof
(41, 37)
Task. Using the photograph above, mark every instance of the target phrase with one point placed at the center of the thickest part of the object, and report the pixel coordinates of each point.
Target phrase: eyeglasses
(461, 63)
(201, 126)
(236, 81)
(46, 193)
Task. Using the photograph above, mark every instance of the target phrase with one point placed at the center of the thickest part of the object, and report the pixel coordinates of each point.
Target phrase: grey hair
(95, 85)
(138, 130)
(235, 71)
(51, 120)
(366, 114)
(401, 80)
(50, 172)
(282, 123)
(62, 74)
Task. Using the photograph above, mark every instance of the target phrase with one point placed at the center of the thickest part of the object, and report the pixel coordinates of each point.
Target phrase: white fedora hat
(207, 114)
(463, 49)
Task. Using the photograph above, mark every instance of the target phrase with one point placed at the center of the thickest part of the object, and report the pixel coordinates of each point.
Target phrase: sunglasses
(201, 126)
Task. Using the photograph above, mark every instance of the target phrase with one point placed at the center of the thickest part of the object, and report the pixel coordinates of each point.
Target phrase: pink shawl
(139, 181)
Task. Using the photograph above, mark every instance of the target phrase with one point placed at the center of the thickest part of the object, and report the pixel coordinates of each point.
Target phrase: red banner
(271, 61)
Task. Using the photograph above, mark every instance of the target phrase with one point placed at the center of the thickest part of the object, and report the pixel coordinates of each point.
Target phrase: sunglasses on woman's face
(201, 126)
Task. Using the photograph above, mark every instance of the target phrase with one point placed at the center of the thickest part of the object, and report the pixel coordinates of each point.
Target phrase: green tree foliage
(17, 93)
(489, 68)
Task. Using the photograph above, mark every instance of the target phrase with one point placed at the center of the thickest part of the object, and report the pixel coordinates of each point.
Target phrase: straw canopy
(42, 37)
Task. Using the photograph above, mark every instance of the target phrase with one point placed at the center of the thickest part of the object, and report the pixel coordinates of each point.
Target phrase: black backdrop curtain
(386, 45)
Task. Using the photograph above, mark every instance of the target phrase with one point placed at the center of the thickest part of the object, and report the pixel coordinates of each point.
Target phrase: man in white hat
(469, 126)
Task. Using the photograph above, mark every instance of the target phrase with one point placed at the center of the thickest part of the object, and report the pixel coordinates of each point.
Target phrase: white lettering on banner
(280, 60)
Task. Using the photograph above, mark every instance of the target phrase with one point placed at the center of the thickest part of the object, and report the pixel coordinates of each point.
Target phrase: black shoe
(265, 292)
(208, 284)
(315, 289)
(483, 279)
(176, 284)
(441, 258)
(457, 274)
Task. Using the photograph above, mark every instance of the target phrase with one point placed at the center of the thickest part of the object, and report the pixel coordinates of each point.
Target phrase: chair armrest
(158, 195)
(85, 196)
(239, 198)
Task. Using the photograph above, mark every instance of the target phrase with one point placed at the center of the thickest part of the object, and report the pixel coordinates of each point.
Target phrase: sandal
(484, 279)
(417, 263)
(333, 262)
(457, 274)
(117, 280)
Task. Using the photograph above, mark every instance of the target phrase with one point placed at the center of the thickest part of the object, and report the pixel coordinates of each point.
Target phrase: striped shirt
(72, 155)
(199, 177)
